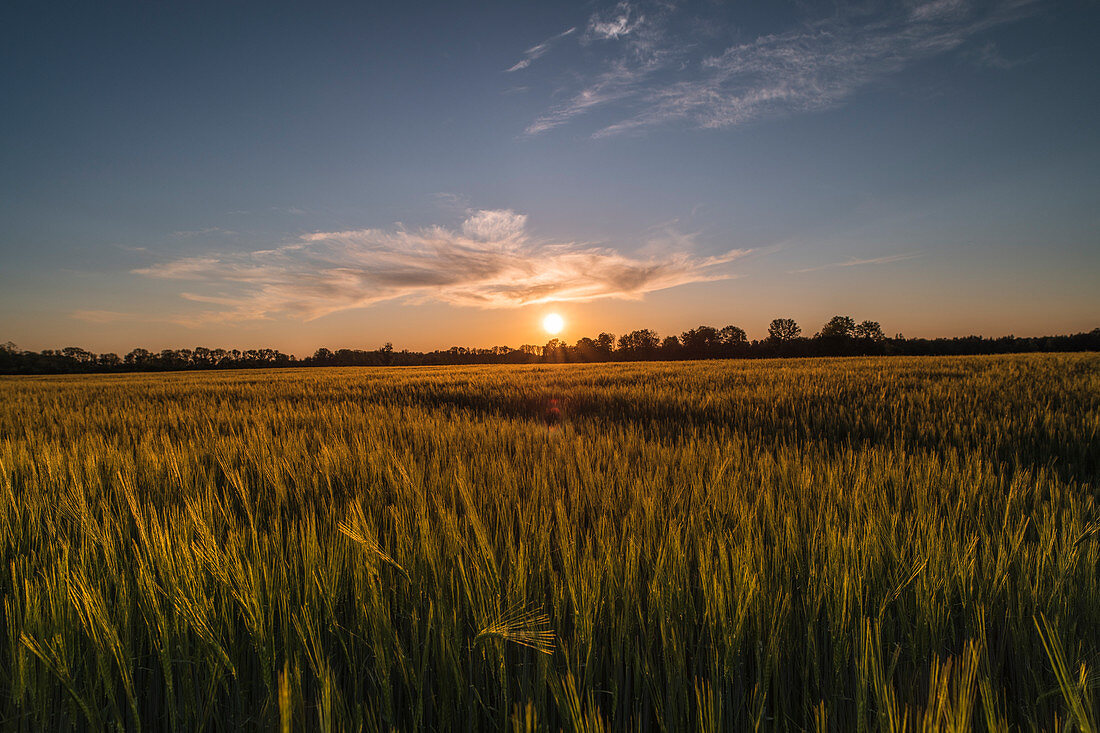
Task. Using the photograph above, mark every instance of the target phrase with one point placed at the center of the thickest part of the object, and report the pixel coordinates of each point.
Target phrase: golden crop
(840, 544)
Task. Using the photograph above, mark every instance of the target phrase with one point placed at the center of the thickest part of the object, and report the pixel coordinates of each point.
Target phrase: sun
(553, 324)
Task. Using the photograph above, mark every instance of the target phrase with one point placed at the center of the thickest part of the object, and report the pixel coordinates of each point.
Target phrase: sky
(256, 174)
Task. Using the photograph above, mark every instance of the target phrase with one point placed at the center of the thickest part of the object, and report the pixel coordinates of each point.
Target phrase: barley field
(831, 544)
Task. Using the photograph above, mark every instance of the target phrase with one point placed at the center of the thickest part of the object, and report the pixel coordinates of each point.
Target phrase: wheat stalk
(529, 627)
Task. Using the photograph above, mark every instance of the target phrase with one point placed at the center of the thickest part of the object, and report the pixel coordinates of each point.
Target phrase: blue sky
(245, 174)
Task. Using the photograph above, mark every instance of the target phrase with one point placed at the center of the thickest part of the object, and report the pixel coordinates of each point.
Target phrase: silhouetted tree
(12, 359)
(784, 340)
(783, 329)
(839, 327)
(586, 350)
(78, 354)
(869, 330)
(554, 350)
(732, 335)
(700, 341)
(642, 342)
(139, 358)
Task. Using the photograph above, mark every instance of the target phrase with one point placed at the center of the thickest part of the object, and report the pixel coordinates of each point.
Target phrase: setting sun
(553, 324)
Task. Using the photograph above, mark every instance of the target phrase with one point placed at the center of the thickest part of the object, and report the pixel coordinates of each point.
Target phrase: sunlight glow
(553, 323)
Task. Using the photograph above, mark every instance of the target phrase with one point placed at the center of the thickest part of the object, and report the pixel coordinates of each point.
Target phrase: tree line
(841, 336)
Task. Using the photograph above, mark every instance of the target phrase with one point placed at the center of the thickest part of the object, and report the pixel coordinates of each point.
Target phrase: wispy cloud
(662, 72)
(619, 83)
(490, 261)
(453, 203)
(989, 56)
(539, 50)
(641, 47)
(854, 262)
(102, 316)
(204, 232)
(621, 21)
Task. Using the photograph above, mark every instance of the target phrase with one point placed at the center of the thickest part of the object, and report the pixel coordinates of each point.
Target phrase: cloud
(538, 50)
(621, 21)
(101, 316)
(853, 262)
(618, 83)
(206, 231)
(989, 56)
(664, 71)
(490, 261)
(489, 225)
(644, 49)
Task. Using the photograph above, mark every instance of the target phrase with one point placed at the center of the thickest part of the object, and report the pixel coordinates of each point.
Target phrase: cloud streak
(103, 316)
(206, 231)
(490, 261)
(854, 262)
(659, 75)
(538, 51)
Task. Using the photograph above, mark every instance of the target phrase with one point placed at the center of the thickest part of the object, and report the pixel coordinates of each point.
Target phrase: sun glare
(553, 323)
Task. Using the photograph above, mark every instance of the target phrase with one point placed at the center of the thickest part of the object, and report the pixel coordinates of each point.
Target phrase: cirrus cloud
(490, 261)
(660, 70)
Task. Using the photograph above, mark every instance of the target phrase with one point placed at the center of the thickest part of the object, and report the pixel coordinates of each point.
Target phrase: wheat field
(831, 544)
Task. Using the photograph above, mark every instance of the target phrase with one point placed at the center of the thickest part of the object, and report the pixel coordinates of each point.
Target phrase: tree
(670, 346)
(643, 340)
(870, 330)
(78, 354)
(554, 350)
(700, 340)
(839, 327)
(605, 342)
(585, 344)
(586, 349)
(139, 358)
(732, 336)
(783, 329)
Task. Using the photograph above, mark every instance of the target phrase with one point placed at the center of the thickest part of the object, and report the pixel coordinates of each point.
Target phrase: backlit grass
(877, 544)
